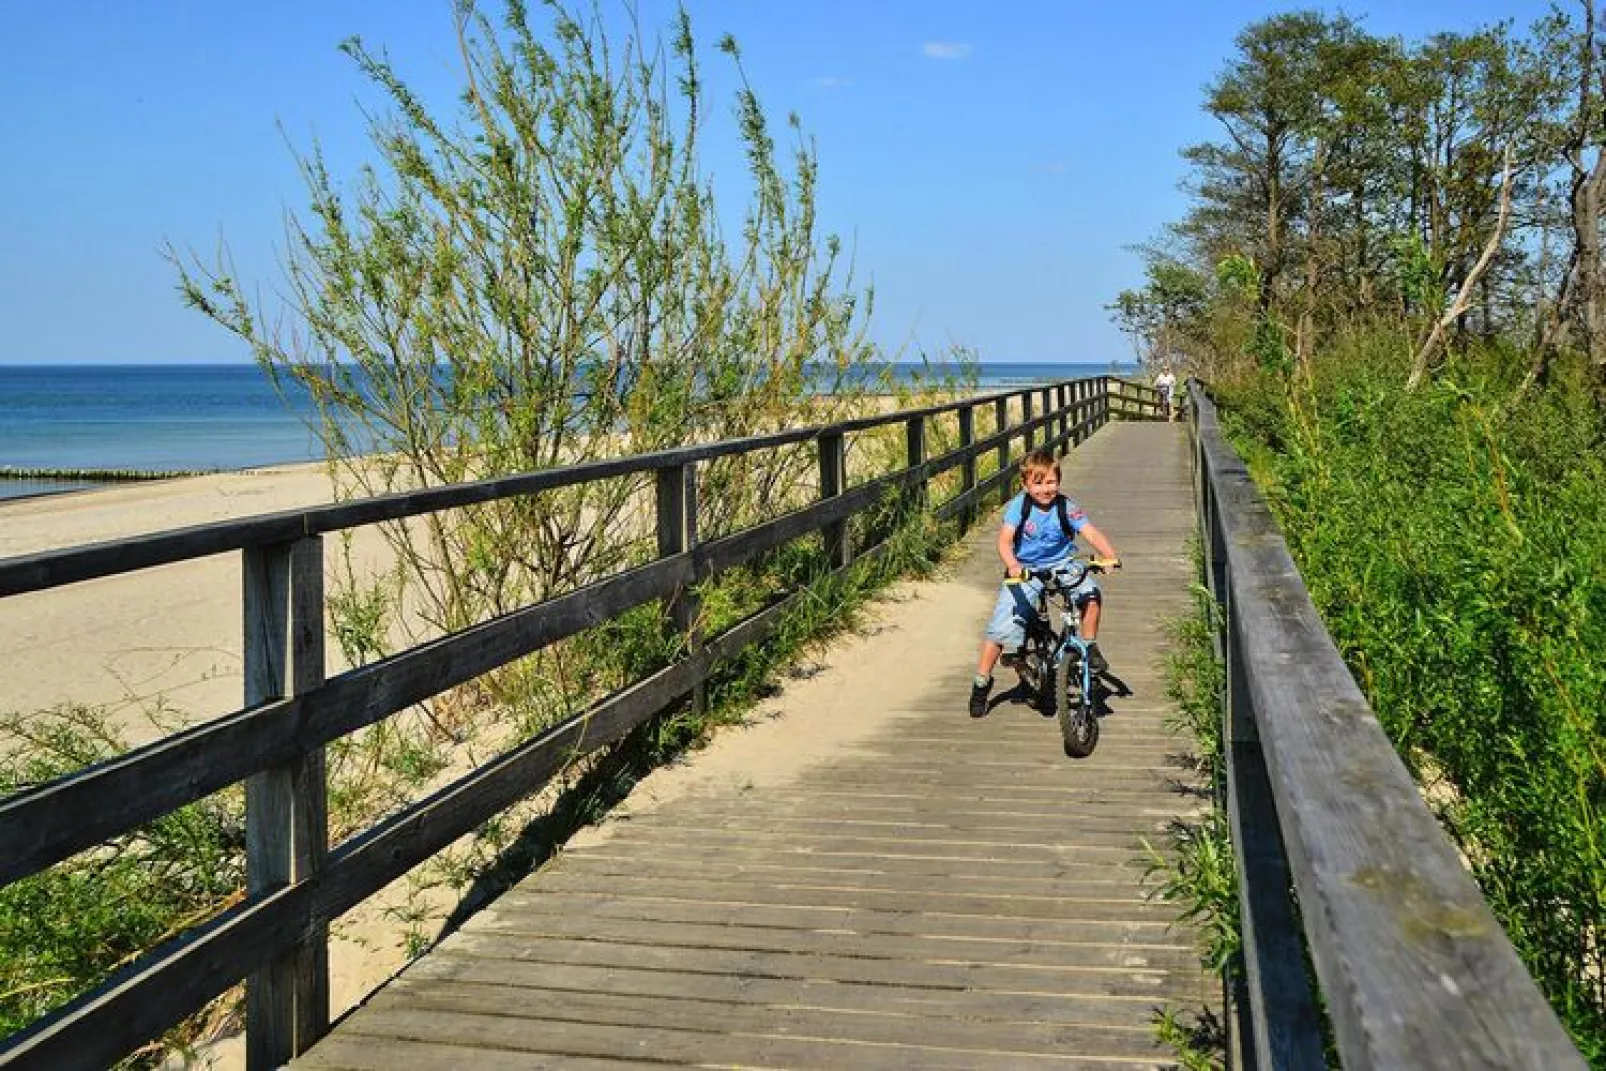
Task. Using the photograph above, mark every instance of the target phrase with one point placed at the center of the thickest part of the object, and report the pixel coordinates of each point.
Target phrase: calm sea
(174, 418)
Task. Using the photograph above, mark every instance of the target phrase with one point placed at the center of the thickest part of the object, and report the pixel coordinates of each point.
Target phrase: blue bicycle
(1053, 664)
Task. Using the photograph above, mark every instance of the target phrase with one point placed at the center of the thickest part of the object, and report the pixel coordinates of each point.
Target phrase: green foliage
(1454, 540)
(1198, 872)
(1198, 1038)
(543, 279)
(67, 928)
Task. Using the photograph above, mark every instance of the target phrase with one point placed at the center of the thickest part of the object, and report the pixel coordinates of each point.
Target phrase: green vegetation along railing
(276, 938)
(1338, 854)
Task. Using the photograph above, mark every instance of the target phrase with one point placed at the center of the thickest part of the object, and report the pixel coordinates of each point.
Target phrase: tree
(540, 280)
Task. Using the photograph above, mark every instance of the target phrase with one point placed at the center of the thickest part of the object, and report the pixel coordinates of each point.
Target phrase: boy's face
(1043, 485)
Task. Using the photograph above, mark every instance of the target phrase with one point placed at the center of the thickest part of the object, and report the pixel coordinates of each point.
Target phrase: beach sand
(173, 633)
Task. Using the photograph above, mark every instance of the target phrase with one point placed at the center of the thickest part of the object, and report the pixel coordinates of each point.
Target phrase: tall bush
(543, 279)
(1454, 540)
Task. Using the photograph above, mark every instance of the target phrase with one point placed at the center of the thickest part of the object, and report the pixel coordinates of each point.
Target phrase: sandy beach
(172, 632)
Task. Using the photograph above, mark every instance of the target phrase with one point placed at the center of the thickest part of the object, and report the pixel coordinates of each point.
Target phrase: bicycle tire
(1079, 726)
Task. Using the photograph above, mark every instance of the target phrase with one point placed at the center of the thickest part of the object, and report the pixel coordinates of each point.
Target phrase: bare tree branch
(1463, 297)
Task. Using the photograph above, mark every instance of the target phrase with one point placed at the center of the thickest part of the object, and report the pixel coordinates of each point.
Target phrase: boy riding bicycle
(1040, 529)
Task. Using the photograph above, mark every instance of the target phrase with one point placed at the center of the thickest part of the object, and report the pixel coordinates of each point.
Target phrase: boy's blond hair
(1037, 461)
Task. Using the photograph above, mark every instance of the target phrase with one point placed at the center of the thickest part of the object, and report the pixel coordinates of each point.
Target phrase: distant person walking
(1166, 384)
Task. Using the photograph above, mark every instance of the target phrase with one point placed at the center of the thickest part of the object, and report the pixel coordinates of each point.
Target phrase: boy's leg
(989, 658)
(1090, 620)
(1004, 629)
(1090, 632)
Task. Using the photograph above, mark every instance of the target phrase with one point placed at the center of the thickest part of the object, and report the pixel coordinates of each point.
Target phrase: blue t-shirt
(1043, 540)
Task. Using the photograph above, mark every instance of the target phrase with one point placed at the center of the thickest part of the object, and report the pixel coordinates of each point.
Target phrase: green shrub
(1454, 540)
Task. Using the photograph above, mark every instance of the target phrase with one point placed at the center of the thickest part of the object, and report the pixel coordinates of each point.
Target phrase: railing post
(1026, 418)
(1001, 418)
(1048, 411)
(967, 468)
(915, 437)
(286, 809)
(677, 534)
(833, 481)
(1062, 395)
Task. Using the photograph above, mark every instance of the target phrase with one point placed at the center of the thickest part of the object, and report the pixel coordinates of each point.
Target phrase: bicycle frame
(1069, 636)
(1047, 650)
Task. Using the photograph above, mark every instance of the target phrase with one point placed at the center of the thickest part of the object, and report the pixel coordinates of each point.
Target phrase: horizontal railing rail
(1338, 855)
(276, 936)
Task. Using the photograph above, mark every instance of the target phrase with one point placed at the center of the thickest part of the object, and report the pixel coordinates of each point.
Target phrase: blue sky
(989, 164)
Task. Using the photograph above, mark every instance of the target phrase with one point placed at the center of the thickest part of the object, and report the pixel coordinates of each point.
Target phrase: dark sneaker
(1095, 658)
(978, 699)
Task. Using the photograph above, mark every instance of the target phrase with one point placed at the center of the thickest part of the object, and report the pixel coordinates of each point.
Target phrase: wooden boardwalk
(945, 893)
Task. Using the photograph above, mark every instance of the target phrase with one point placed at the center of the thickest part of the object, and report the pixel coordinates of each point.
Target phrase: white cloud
(946, 50)
(1052, 168)
(831, 81)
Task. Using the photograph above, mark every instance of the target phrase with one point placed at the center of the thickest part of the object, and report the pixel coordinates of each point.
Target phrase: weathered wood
(1414, 968)
(716, 1016)
(287, 1002)
(1054, 1006)
(967, 468)
(44, 825)
(1284, 1024)
(833, 481)
(914, 435)
(677, 534)
(1000, 426)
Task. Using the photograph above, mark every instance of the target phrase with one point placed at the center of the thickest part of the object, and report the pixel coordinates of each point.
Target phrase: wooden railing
(296, 884)
(1338, 855)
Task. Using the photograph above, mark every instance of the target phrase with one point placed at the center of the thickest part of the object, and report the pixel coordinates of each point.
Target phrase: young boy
(1033, 535)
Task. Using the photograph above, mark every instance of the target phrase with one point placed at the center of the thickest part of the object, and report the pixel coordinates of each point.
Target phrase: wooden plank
(286, 810)
(967, 470)
(1123, 908)
(46, 824)
(1415, 970)
(508, 927)
(387, 1054)
(833, 481)
(490, 1032)
(722, 1017)
(1058, 1005)
(1130, 982)
(602, 906)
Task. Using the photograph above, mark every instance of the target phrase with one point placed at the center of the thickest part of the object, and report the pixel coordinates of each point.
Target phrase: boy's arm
(1006, 549)
(1100, 541)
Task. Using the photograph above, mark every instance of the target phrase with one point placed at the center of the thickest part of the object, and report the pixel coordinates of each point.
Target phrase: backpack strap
(1026, 511)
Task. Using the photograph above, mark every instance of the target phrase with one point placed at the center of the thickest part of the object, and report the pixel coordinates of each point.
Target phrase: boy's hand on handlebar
(1105, 563)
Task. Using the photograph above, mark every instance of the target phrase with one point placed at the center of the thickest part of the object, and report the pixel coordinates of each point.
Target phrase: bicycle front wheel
(1079, 726)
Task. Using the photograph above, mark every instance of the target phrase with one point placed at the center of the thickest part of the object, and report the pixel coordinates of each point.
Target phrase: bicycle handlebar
(1048, 574)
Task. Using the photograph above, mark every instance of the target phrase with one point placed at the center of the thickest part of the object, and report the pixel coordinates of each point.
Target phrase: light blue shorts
(1017, 604)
